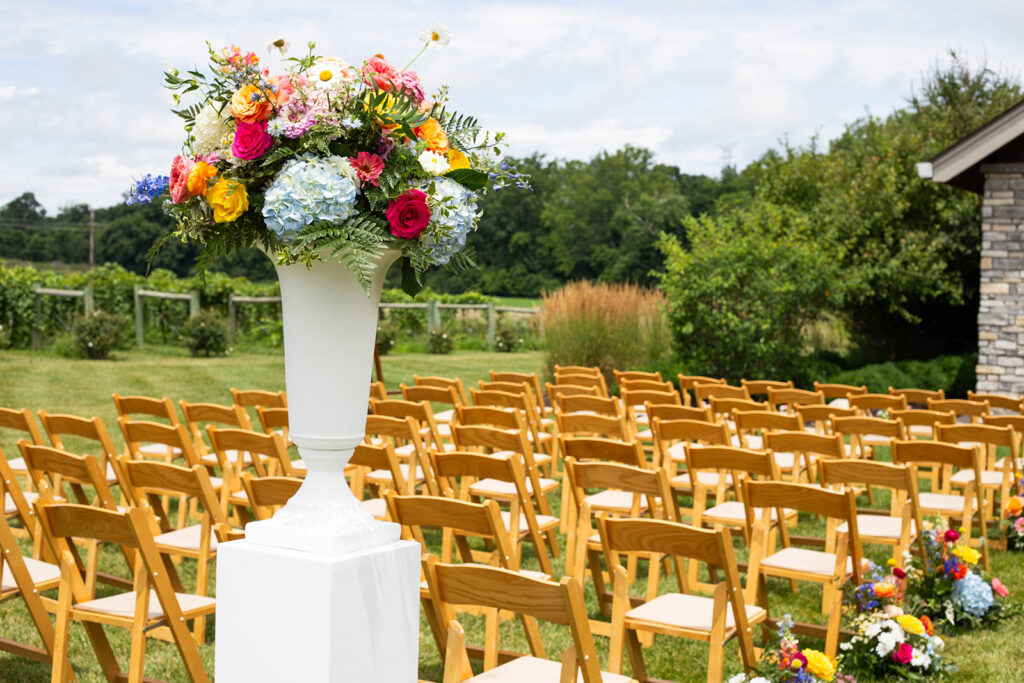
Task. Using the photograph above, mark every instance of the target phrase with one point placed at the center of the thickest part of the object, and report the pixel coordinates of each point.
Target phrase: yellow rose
(228, 200)
(967, 554)
(197, 179)
(457, 159)
(819, 664)
(910, 624)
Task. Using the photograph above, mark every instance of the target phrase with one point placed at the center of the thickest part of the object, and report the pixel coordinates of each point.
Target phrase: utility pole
(92, 239)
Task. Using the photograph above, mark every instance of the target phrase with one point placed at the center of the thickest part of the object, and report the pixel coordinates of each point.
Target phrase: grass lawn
(36, 381)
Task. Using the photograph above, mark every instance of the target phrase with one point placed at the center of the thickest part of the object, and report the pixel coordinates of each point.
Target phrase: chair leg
(137, 656)
(716, 657)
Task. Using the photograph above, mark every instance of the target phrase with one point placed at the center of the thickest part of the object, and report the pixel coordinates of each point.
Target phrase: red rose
(251, 140)
(408, 215)
(899, 573)
(951, 536)
(903, 653)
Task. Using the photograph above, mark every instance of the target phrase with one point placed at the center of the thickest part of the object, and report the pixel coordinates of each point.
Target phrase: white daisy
(280, 43)
(437, 36)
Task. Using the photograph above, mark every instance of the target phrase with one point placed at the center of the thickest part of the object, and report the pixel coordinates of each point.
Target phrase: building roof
(1001, 140)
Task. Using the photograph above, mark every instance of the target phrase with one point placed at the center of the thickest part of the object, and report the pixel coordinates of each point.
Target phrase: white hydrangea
(886, 643)
(211, 126)
(434, 163)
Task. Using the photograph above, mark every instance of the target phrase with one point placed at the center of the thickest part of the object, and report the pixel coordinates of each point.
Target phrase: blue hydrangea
(973, 594)
(453, 215)
(310, 189)
(147, 189)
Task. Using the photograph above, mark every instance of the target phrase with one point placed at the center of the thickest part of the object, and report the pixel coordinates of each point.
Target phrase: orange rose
(249, 109)
(457, 159)
(433, 134)
(928, 626)
(1014, 506)
(197, 179)
(884, 589)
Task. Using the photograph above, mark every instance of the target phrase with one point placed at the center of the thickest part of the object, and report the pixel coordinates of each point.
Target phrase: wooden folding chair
(403, 434)
(275, 421)
(147, 481)
(670, 439)
(533, 381)
(432, 433)
(786, 400)
(378, 391)
(544, 444)
(841, 560)
(589, 423)
(761, 387)
(21, 421)
(634, 403)
(918, 398)
(267, 494)
(499, 476)
(155, 605)
(817, 419)
(256, 398)
(1014, 421)
(380, 458)
(871, 405)
(900, 527)
(688, 383)
(839, 395)
(798, 452)
(680, 614)
(60, 426)
(595, 381)
(160, 408)
(633, 375)
(445, 396)
(1012, 405)
(26, 578)
(920, 424)
(591, 370)
(671, 411)
(702, 393)
(723, 410)
(455, 383)
(943, 502)
(502, 589)
(867, 433)
(645, 385)
(556, 391)
(265, 453)
(995, 480)
(200, 415)
(969, 411)
(751, 425)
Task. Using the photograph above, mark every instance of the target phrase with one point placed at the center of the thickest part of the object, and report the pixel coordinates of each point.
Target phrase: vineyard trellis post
(233, 302)
(139, 294)
(40, 292)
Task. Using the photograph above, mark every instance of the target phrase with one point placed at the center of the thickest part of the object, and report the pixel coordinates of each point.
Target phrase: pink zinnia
(409, 83)
(368, 167)
(381, 71)
(1000, 590)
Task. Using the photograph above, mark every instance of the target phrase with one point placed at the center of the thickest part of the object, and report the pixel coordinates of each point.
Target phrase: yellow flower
(197, 179)
(819, 664)
(891, 562)
(457, 159)
(228, 200)
(910, 624)
(967, 554)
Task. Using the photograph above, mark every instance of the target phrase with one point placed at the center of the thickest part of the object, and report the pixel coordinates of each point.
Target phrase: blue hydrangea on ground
(310, 189)
(453, 214)
(973, 594)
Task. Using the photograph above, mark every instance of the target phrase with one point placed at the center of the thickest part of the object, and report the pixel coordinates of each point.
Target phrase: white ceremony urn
(330, 325)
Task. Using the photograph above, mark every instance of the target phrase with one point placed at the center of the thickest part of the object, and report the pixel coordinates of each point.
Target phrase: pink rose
(251, 140)
(381, 71)
(1000, 590)
(903, 653)
(408, 215)
(180, 168)
(951, 536)
(1018, 525)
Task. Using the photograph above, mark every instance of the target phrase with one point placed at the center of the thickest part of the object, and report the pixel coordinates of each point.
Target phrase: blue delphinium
(310, 189)
(973, 594)
(147, 189)
(453, 213)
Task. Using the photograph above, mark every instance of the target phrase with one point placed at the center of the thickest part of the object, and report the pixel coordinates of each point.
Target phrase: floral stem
(425, 46)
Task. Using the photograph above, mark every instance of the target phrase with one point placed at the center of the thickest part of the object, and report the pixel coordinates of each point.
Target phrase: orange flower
(199, 177)
(884, 589)
(457, 159)
(249, 105)
(928, 626)
(433, 134)
(1015, 506)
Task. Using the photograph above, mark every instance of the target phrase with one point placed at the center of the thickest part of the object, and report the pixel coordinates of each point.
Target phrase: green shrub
(440, 342)
(953, 374)
(613, 327)
(65, 346)
(742, 294)
(206, 334)
(508, 339)
(98, 334)
(386, 335)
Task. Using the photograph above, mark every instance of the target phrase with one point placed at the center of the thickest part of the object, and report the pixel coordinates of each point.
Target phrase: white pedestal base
(287, 615)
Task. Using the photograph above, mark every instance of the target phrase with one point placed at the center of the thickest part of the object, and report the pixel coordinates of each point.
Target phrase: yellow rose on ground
(910, 624)
(228, 199)
(457, 159)
(819, 664)
(967, 554)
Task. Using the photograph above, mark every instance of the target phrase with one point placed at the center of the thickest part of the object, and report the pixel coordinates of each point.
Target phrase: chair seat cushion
(298, 464)
(687, 611)
(158, 449)
(919, 430)
(805, 560)
(536, 670)
(754, 441)
(879, 526)
(231, 455)
(18, 465)
(614, 501)
(941, 501)
(186, 539)
(384, 476)
(123, 605)
(10, 508)
(736, 511)
(988, 478)
(444, 415)
(506, 489)
(785, 461)
(40, 572)
(544, 522)
(377, 507)
(681, 482)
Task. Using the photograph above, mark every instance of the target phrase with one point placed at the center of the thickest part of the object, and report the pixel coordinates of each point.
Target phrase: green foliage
(206, 334)
(386, 336)
(98, 334)
(740, 298)
(953, 374)
(508, 339)
(440, 342)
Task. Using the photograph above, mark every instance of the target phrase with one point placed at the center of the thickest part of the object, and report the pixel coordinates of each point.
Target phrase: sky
(83, 110)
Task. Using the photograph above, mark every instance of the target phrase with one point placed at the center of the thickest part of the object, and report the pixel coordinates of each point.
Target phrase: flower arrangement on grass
(1012, 523)
(879, 590)
(325, 159)
(890, 645)
(787, 663)
(950, 586)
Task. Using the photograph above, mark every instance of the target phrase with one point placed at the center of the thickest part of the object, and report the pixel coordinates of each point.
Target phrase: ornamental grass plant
(610, 326)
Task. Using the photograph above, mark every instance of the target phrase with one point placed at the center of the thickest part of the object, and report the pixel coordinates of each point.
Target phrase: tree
(23, 211)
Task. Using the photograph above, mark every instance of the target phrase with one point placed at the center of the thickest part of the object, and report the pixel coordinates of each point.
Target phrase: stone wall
(1001, 310)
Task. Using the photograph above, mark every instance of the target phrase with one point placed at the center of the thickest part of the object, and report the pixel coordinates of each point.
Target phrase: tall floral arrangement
(324, 159)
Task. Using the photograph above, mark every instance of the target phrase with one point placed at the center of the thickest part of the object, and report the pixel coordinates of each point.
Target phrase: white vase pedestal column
(322, 591)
